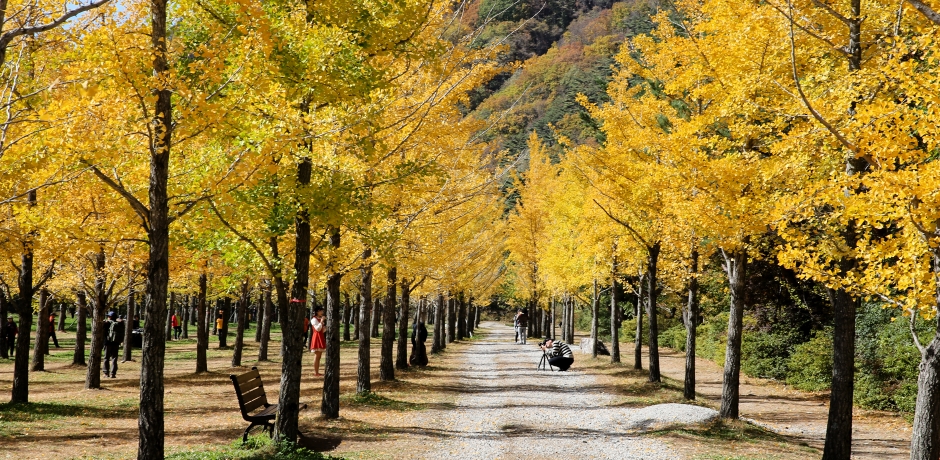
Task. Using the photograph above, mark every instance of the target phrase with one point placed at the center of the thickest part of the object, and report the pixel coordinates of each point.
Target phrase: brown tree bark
(292, 320)
(652, 291)
(60, 327)
(329, 406)
(595, 304)
(20, 391)
(387, 362)
(99, 309)
(3, 321)
(202, 332)
(363, 378)
(259, 321)
(401, 356)
(925, 439)
(734, 266)
(347, 318)
(187, 310)
(265, 324)
(451, 319)
(690, 318)
(461, 316)
(81, 331)
(42, 334)
(638, 333)
(169, 315)
(226, 313)
(128, 324)
(614, 312)
(438, 343)
(241, 308)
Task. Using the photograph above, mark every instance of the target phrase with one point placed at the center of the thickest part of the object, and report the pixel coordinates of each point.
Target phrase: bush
(766, 355)
(674, 337)
(810, 365)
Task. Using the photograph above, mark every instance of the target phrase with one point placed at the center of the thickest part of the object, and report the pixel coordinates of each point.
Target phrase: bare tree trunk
(387, 363)
(925, 440)
(129, 323)
(653, 291)
(259, 320)
(265, 324)
(735, 266)
(376, 317)
(169, 316)
(241, 309)
(401, 356)
(24, 281)
(3, 322)
(554, 322)
(363, 379)
(595, 304)
(614, 312)
(42, 334)
(81, 331)
(451, 319)
(329, 406)
(437, 345)
(202, 331)
(461, 317)
(187, 311)
(638, 334)
(61, 326)
(100, 303)
(690, 318)
(347, 318)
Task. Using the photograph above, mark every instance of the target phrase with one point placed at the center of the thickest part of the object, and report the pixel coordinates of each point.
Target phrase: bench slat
(249, 386)
(250, 375)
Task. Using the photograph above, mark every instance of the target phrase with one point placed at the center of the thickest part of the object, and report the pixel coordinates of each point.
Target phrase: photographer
(559, 353)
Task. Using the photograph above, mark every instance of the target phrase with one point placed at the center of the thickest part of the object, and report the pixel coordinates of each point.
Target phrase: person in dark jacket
(9, 336)
(522, 320)
(419, 334)
(52, 336)
(114, 335)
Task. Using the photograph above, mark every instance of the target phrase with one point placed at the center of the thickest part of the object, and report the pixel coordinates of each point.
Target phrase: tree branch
(138, 207)
(635, 233)
(7, 37)
(928, 12)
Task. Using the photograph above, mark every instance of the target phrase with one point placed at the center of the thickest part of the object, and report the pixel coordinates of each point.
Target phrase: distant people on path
(522, 325)
(419, 335)
(318, 342)
(114, 336)
(52, 336)
(559, 353)
(177, 328)
(9, 336)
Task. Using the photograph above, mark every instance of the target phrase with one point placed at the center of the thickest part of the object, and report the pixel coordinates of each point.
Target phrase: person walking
(9, 336)
(318, 342)
(112, 341)
(52, 336)
(523, 320)
(177, 328)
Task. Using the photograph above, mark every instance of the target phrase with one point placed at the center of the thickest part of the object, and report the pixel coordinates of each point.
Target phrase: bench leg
(245, 437)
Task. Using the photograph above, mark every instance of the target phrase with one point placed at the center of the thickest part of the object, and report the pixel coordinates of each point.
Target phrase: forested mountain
(563, 48)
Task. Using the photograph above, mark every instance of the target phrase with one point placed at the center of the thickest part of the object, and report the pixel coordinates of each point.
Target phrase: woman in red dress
(318, 344)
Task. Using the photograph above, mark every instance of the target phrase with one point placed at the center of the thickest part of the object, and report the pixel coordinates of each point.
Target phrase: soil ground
(66, 421)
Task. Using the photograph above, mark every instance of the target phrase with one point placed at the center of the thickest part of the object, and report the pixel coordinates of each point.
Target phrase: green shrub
(810, 365)
(766, 355)
(674, 337)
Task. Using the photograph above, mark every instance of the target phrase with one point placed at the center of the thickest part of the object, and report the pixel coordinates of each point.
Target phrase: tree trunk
(376, 317)
(42, 334)
(638, 333)
(735, 266)
(387, 363)
(437, 344)
(329, 406)
(363, 379)
(3, 323)
(202, 332)
(554, 322)
(265, 324)
(614, 312)
(461, 317)
(242, 318)
(401, 356)
(652, 291)
(451, 319)
(61, 326)
(169, 316)
(81, 330)
(259, 317)
(217, 313)
(347, 318)
(839, 425)
(226, 314)
(25, 313)
(187, 311)
(128, 323)
(690, 318)
(925, 440)
(100, 303)
(292, 320)
(595, 304)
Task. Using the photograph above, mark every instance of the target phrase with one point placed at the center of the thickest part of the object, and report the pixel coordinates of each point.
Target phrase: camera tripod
(543, 363)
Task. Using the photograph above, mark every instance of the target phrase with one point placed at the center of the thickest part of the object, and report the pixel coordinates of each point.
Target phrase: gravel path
(511, 410)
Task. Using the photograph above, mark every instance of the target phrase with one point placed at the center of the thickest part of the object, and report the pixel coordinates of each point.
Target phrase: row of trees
(802, 132)
(203, 146)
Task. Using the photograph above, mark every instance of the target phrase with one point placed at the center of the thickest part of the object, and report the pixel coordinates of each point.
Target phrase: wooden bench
(254, 405)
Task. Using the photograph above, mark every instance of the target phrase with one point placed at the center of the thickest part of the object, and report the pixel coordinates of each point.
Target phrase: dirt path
(876, 435)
